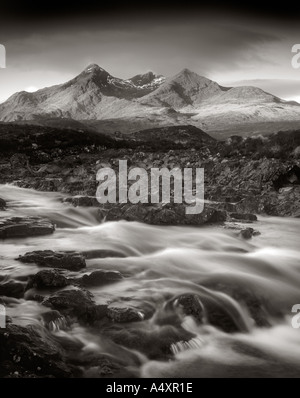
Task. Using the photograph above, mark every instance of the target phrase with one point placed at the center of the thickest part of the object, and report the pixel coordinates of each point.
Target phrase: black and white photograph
(149, 192)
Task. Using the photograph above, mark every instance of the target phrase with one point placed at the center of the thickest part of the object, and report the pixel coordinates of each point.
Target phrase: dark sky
(228, 42)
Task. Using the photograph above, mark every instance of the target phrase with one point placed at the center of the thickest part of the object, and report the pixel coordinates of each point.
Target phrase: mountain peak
(186, 71)
(147, 79)
(93, 68)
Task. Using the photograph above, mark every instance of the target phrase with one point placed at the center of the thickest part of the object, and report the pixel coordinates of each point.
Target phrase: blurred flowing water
(159, 263)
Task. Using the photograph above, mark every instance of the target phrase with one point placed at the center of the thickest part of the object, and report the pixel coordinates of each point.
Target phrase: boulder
(156, 344)
(54, 320)
(32, 349)
(72, 261)
(99, 278)
(244, 216)
(82, 201)
(123, 313)
(47, 279)
(190, 304)
(170, 214)
(12, 289)
(76, 303)
(247, 233)
(23, 227)
(74, 300)
(2, 204)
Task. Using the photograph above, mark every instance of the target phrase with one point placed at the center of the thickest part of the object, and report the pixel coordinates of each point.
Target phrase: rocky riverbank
(240, 176)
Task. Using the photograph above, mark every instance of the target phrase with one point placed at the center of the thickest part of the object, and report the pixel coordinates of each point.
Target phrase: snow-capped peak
(93, 68)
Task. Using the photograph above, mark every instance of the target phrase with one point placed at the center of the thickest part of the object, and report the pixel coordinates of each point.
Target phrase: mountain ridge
(186, 98)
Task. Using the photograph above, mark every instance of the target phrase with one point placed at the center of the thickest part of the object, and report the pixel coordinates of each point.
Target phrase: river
(161, 263)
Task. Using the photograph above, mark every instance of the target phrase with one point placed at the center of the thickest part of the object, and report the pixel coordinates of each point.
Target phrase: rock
(242, 216)
(19, 227)
(108, 366)
(31, 349)
(190, 304)
(171, 214)
(74, 300)
(12, 289)
(77, 303)
(102, 253)
(98, 278)
(156, 344)
(2, 204)
(84, 201)
(47, 278)
(93, 313)
(53, 320)
(123, 313)
(72, 261)
(247, 233)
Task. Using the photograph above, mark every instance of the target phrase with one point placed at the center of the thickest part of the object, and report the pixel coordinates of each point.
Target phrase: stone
(47, 278)
(190, 304)
(2, 204)
(124, 315)
(54, 320)
(22, 227)
(247, 233)
(72, 261)
(82, 201)
(12, 289)
(76, 303)
(70, 300)
(102, 253)
(32, 349)
(244, 216)
(156, 344)
(171, 214)
(100, 277)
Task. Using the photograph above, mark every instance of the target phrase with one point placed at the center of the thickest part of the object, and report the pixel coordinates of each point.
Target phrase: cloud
(218, 47)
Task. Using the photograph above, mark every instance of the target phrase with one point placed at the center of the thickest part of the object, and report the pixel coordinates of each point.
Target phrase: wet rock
(72, 261)
(74, 301)
(257, 305)
(103, 365)
(22, 227)
(2, 204)
(156, 344)
(93, 313)
(244, 216)
(247, 233)
(98, 278)
(124, 315)
(123, 312)
(12, 289)
(54, 320)
(171, 214)
(102, 253)
(47, 278)
(82, 201)
(33, 350)
(190, 304)
(77, 303)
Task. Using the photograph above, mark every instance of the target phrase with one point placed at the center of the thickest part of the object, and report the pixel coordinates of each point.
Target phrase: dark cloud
(49, 9)
(50, 46)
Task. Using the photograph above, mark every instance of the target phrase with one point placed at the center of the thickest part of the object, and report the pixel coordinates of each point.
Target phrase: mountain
(152, 100)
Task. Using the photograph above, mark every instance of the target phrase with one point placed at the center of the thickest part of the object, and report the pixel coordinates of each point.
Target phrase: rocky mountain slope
(186, 98)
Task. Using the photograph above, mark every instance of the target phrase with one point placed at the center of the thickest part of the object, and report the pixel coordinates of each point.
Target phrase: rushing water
(161, 263)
